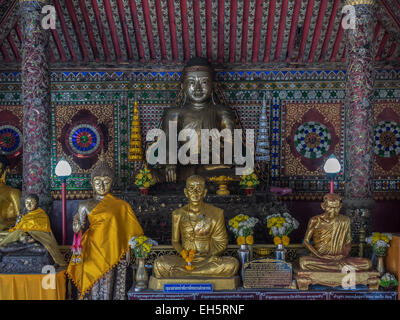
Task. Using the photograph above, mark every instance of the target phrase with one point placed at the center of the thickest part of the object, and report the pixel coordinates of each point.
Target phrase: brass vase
(380, 266)
(142, 277)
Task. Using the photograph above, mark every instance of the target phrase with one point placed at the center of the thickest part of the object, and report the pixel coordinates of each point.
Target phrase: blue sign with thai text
(187, 287)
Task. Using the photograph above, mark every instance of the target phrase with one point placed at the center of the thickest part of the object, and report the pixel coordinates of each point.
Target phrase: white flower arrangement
(379, 242)
(242, 226)
(281, 224)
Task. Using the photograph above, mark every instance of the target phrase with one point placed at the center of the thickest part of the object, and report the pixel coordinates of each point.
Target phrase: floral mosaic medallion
(387, 139)
(312, 139)
(10, 140)
(84, 139)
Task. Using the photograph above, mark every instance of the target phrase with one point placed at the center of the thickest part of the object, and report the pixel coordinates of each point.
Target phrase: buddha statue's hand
(170, 173)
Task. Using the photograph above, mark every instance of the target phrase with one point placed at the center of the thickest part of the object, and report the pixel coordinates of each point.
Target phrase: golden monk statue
(328, 237)
(10, 205)
(31, 233)
(331, 240)
(100, 272)
(200, 110)
(198, 229)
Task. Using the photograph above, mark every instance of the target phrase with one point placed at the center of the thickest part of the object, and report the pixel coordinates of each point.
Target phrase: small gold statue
(199, 235)
(33, 227)
(10, 205)
(328, 237)
(100, 273)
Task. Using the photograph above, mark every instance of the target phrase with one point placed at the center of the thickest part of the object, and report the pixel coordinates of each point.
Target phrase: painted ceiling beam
(257, 30)
(245, 27)
(270, 27)
(13, 47)
(307, 22)
(339, 36)
(221, 31)
(101, 30)
(293, 29)
(232, 33)
(149, 30)
(71, 12)
(281, 29)
(160, 28)
(111, 24)
(89, 29)
(138, 37)
(197, 29)
(329, 30)
(125, 32)
(57, 40)
(65, 30)
(317, 31)
(382, 46)
(209, 33)
(5, 54)
(185, 30)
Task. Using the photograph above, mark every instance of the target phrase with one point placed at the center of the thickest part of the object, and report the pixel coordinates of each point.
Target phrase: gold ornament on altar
(199, 235)
(135, 150)
(222, 183)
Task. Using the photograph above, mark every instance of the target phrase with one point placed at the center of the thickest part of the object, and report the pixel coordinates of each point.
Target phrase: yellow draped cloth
(37, 224)
(112, 224)
(36, 220)
(30, 286)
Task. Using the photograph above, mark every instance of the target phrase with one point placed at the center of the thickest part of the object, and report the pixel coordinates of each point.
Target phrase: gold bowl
(222, 183)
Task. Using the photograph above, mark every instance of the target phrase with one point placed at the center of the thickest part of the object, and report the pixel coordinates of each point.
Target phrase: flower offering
(144, 178)
(142, 245)
(243, 227)
(380, 242)
(280, 226)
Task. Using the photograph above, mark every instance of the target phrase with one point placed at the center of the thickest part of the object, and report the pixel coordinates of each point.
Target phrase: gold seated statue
(331, 243)
(198, 230)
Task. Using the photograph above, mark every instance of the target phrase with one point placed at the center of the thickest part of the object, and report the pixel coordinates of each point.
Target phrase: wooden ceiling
(153, 33)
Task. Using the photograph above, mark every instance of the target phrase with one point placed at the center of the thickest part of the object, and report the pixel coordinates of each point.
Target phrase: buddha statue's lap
(198, 227)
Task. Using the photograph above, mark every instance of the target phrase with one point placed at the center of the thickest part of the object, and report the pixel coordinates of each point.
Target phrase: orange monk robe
(112, 223)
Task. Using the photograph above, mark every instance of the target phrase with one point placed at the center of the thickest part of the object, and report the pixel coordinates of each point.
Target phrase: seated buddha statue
(328, 238)
(30, 240)
(331, 240)
(199, 110)
(107, 223)
(197, 228)
(10, 198)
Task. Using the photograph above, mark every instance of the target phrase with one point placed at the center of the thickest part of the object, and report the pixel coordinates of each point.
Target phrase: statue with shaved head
(198, 228)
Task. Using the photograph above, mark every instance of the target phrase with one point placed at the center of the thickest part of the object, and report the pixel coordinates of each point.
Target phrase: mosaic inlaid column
(359, 117)
(36, 102)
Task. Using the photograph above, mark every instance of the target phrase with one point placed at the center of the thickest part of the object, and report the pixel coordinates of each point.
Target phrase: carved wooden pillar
(36, 102)
(360, 76)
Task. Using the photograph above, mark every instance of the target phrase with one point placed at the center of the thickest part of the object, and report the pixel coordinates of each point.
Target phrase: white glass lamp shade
(332, 165)
(63, 169)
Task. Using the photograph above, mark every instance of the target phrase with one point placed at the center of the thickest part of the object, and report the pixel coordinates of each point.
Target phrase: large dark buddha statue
(199, 110)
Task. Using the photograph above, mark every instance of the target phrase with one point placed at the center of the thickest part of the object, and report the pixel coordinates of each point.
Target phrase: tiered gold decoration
(136, 150)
